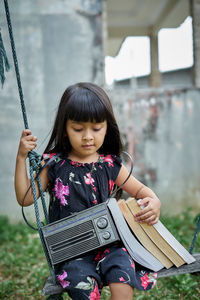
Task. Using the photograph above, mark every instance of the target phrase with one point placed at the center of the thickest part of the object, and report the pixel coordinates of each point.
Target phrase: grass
(23, 267)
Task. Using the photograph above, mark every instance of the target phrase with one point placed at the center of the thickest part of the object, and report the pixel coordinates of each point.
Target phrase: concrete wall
(181, 78)
(58, 43)
(161, 131)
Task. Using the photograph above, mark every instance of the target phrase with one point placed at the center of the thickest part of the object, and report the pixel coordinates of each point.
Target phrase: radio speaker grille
(69, 233)
(80, 248)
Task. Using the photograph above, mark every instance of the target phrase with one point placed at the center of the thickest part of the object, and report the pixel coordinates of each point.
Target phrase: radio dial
(106, 235)
(102, 223)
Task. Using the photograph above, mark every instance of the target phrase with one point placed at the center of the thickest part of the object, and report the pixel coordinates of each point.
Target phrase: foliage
(23, 268)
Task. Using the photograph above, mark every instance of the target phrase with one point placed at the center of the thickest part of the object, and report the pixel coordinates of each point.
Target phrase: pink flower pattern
(122, 279)
(62, 281)
(145, 281)
(76, 164)
(99, 256)
(89, 179)
(107, 250)
(111, 184)
(133, 265)
(62, 163)
(95, 293)
(124, 249)
(61, 191)
(90, 285)
(108, 159)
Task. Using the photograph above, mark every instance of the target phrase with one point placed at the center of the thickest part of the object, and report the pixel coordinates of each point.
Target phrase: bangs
(85, 106)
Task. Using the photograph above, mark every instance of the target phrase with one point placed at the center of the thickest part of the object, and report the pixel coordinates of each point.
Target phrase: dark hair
(83, 102)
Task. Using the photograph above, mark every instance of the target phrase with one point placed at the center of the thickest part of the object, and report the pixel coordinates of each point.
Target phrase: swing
(51, 288)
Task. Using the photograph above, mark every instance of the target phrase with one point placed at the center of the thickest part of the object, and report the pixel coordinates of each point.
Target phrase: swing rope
(34, 158)
(195, 235)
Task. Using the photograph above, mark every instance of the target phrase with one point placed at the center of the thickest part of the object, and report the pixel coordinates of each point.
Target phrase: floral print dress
(76, 186)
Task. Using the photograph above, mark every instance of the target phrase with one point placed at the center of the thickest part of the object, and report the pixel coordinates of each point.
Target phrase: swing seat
(56, 290)
(50, 288)
(193, 268)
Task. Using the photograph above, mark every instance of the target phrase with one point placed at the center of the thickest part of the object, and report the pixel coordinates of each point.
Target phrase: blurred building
(146, 18)
(158, 113)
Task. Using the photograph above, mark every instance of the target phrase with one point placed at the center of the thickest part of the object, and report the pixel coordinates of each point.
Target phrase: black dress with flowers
(75, 187)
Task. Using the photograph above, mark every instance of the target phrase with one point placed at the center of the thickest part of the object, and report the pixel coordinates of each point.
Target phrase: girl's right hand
(27, 143)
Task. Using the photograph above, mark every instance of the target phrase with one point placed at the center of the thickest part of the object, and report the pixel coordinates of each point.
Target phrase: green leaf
(83, 285)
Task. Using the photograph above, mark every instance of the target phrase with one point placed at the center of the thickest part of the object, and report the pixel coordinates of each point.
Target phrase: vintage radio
(79, 233)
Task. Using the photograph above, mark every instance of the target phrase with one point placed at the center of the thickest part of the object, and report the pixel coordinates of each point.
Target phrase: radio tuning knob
(102, 223)
(106, 235)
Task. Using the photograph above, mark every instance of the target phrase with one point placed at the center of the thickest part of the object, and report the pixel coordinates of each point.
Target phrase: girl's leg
(121, 291)
(79, 278)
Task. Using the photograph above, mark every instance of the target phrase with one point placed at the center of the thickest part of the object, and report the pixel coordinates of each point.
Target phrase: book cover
(142, 236)
(134, 248)
(164, 240)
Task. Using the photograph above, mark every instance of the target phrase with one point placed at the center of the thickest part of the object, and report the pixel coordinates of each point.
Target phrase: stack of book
(152, 246)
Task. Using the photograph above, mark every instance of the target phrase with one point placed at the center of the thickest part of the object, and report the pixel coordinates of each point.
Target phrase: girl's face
(85, 138)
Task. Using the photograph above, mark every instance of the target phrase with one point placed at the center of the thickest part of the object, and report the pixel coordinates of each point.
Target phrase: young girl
(87, 140)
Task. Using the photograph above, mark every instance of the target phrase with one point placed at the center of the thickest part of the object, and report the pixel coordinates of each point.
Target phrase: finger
(31, 144)
(154, 221)
(30, 138)
(149, 220)
(28, 144)
(31, 147)
(143, 216)
(143, 202)
(26, 132)
(143, 212)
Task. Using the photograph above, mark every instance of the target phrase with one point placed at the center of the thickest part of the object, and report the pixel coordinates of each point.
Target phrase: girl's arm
(151, 212)
(22, 182)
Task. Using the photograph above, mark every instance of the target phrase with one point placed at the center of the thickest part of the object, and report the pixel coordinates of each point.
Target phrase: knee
(121, 291)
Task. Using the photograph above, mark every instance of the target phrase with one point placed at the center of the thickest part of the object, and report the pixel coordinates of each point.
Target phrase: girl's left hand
(151, 210)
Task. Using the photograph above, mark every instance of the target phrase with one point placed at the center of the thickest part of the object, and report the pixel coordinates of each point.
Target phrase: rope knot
(35, 161)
